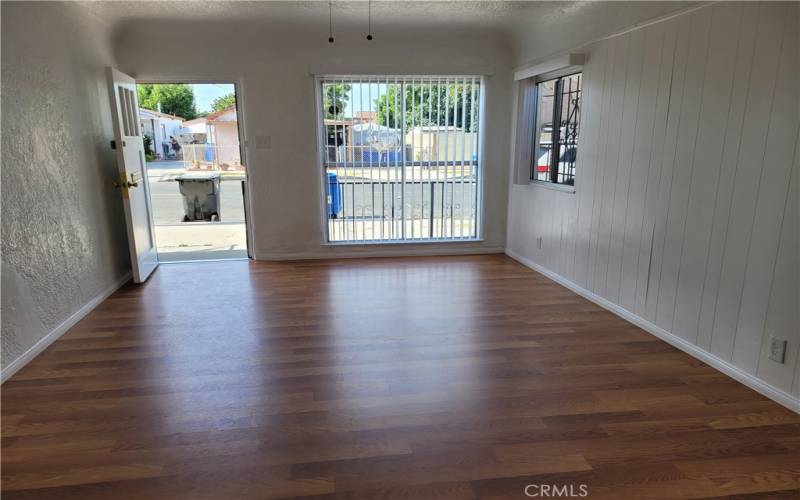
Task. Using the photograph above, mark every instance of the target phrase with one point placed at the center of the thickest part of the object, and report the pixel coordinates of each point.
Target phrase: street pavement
(367, 206)
(168, 201)
(165, 165)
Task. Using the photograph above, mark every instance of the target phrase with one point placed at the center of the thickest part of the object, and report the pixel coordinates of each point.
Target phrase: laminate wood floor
(429, 378)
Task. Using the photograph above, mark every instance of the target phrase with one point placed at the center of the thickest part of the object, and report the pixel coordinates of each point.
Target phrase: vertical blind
(400, 157)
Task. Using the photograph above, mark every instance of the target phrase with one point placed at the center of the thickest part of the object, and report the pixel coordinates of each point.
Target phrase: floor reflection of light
(198, 359)
(387, 321)
(361, 340)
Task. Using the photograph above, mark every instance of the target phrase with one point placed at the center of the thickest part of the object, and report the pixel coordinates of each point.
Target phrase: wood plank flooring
(429, 378)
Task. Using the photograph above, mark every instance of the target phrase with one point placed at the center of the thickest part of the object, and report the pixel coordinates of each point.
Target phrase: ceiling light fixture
(330, 21)
(369, 20)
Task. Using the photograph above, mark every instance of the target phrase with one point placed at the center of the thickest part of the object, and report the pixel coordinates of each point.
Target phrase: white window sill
(566, 188)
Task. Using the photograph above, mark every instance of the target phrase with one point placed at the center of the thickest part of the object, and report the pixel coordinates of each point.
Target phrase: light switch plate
(777, 350)
(539, 242)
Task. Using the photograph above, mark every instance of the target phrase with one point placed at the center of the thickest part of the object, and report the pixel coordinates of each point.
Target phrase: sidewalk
(201, 241)
(168, 170)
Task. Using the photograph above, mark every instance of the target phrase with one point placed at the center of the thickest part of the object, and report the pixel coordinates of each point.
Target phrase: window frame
(558, 75)
(319, 79)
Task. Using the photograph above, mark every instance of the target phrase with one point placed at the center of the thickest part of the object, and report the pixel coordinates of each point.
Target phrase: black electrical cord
(369, 20)
(330, 21)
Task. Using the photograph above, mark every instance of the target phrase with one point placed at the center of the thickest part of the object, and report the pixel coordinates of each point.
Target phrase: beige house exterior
(440, 143)
(220, 131)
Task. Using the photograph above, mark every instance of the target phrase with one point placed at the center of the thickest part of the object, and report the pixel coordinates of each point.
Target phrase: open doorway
(195, 169)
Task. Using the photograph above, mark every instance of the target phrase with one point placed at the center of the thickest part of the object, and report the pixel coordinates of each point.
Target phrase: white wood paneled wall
(686, 209)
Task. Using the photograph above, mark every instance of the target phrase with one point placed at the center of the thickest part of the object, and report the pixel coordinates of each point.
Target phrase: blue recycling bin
(371, 156)
(394, 156)
(334, 196)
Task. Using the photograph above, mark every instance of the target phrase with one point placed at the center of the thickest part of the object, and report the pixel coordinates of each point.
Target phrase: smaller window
(556, 146)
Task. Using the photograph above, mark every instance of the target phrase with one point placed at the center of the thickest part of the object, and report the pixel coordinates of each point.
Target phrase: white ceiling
(395, 13)
(547, 26)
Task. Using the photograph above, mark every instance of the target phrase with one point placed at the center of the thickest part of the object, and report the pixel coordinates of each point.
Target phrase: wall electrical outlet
(777, 350)
(539, 242)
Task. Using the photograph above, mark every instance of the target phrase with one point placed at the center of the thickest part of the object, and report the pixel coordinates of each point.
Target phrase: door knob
(125, 183)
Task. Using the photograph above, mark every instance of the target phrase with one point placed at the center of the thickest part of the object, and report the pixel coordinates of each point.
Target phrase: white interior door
(132, 181)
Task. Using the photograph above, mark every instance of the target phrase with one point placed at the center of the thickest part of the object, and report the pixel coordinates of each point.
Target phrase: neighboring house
(194, 128)
(339, 139)
(376, 143)
(440, 143)
(213, 139)
(159, 127)
(354, 140)
(366, 117)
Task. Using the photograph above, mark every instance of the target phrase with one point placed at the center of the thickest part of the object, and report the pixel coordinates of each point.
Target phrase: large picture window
(400, 158)
(558, 112)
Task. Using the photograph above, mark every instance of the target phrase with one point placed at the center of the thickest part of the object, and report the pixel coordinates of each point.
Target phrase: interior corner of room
(571, 221)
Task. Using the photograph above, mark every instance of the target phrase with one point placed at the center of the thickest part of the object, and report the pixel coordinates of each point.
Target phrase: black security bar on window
(556, 147)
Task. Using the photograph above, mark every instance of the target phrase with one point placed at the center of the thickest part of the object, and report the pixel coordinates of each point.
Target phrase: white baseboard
(61, 329)
(368, 251)
(778, 395)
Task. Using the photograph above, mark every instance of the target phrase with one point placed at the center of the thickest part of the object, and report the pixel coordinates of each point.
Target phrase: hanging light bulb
(369, 20)
(330, 21)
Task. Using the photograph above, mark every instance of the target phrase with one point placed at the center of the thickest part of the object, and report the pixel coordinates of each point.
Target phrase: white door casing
(132, 181)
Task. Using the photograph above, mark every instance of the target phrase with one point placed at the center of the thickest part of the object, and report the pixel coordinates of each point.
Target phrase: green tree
(426, 105)
(335, 98)
(173, 98)
(223, 102)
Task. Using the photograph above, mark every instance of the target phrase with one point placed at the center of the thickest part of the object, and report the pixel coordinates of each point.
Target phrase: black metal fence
(403, 209)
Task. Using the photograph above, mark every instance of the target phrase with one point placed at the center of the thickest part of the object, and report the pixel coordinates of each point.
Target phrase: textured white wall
(686, 210)
(278, 96)
(63, 230)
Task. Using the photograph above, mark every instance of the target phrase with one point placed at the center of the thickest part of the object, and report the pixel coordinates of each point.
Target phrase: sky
(360, 98)
(205, 93)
